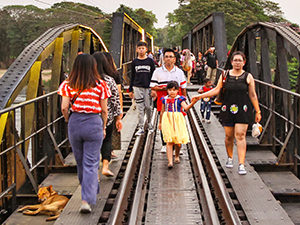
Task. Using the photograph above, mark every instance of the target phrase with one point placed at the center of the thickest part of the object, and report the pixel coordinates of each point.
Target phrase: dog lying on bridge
(51, 204)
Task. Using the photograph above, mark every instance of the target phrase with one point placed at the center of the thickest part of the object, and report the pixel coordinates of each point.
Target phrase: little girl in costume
(172, 122)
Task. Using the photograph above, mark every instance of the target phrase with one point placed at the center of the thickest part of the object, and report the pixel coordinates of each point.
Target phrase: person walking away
(177, 55)
(142, 69)
(162, 76)
(205, 106)
(235, 112)
(187, 65)
(114, 112)
(88, 94)
(111, 70)
(172, 122)
(200, 68)
(212, 63)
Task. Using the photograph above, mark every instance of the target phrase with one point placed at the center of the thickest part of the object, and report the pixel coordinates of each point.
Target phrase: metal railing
(47, 135)
(281, 121)
(125, 71)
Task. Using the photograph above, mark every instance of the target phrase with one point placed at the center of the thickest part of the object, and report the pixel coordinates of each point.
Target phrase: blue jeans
(86, 137)
(205, 106)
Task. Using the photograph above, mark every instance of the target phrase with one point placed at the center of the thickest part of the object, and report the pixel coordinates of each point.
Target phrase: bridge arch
(257, 40)
(28, 125)
(26, 69)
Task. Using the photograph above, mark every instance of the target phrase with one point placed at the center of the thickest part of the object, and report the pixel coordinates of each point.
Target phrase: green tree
(238, 14)
(20, 25)
(162, 37)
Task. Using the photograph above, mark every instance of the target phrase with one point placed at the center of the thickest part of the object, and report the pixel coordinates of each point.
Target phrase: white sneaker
(139, 132)
(85, 208)
(150, 129)
(208, 121)
(242, 170)
(163, 149)
(229, 163)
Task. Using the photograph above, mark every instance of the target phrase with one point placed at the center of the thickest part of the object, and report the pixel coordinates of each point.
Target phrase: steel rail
(137, 209)
(209, 202)
(120, 204)
(228, 209)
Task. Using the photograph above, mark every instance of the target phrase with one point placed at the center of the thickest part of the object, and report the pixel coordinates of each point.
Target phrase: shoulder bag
(220, 97)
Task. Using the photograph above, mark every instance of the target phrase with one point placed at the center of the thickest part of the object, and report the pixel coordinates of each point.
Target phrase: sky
(160, 8)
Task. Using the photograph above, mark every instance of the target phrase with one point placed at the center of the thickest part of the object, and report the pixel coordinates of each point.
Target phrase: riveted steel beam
(87, 42)
(74, 47)
(34, 77)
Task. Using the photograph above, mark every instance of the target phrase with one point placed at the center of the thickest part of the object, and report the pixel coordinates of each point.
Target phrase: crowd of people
(92, 105)
(200, 66)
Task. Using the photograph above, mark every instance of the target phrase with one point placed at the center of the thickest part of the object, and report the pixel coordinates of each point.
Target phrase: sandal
(170, 165)
(108, 173)
(113, 156)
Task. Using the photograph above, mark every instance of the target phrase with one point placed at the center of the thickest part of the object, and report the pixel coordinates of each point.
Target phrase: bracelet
(259, 112)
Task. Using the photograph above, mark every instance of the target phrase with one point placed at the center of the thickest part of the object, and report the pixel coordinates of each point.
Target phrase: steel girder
(210, 31)
(124, 37)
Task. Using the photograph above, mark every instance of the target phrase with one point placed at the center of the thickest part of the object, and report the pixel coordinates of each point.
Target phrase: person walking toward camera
(172, 122)
(205, 102)
(162, 76)
(239, 93)
(88, 94)
(142, 69)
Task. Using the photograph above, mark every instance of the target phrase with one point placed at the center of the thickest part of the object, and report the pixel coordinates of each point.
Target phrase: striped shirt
(88, 101)
(162, 76)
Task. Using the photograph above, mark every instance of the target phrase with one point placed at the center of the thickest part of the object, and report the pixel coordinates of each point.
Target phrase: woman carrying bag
(239, 93)
(86, 128)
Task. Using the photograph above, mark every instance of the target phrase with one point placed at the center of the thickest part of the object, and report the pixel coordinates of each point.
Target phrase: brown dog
(52, 204)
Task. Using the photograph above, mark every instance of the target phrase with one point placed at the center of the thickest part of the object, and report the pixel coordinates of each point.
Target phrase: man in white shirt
(162, 75)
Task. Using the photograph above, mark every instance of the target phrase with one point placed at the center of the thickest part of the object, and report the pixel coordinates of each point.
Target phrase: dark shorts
(230, 124)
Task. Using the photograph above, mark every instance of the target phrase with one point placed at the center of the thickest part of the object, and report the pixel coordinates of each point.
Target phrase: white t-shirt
(161, 76)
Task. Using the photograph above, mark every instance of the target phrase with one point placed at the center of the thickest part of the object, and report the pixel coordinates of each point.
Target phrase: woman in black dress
(235, 111)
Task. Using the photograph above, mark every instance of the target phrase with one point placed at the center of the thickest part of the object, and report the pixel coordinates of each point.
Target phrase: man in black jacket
(142, 69)
(212, 63)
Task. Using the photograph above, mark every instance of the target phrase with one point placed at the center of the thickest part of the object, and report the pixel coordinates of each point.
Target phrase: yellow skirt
(173, 128)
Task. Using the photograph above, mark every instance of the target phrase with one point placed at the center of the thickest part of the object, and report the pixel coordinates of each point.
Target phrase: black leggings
(106, 145)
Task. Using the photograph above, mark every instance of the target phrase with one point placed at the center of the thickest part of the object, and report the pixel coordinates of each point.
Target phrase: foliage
(20, 25)
(162, 37)
(238, 14)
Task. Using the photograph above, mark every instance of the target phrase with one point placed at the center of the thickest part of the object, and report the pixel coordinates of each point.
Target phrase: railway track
(128, 200)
